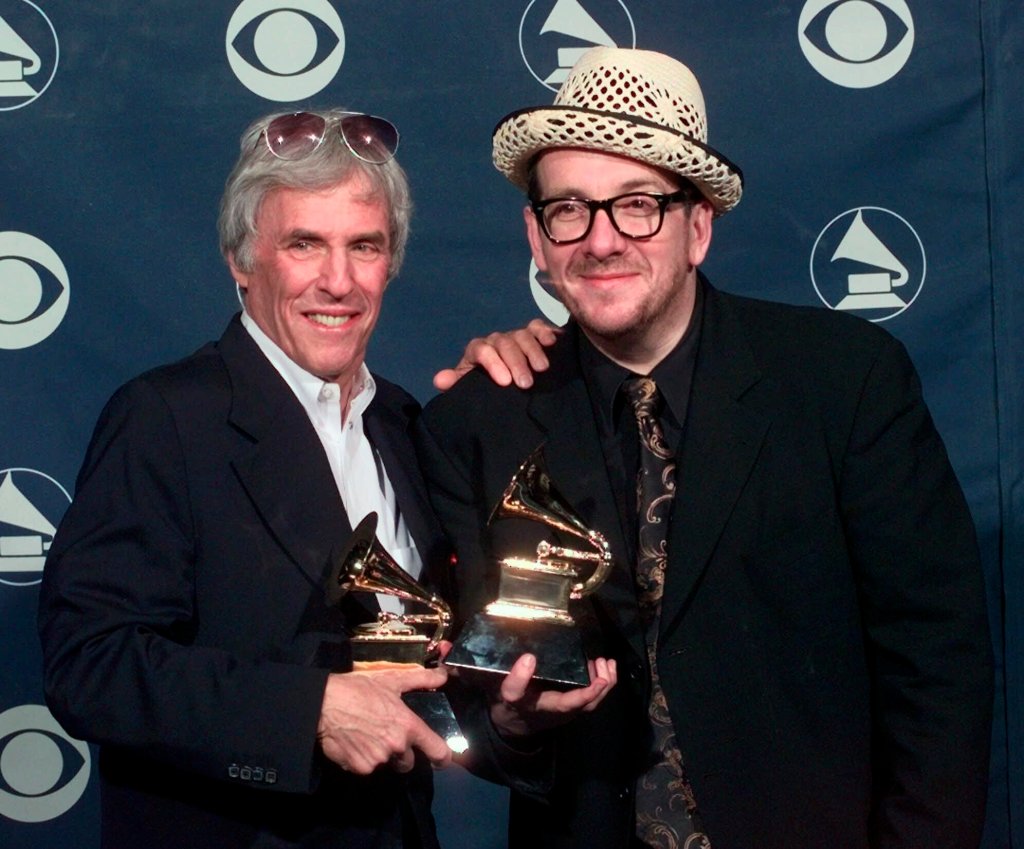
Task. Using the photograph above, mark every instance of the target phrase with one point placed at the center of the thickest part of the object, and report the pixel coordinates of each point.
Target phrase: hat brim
(521, 135)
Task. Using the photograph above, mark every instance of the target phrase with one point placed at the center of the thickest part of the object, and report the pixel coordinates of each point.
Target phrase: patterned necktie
(666, 812)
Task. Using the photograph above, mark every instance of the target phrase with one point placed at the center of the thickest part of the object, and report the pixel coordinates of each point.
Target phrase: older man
(183, 617)
(796, 610)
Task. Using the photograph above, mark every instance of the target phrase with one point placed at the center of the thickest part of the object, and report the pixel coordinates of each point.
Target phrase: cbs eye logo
(43, 772)
(285, 49)
(32, 305)
(856, 43)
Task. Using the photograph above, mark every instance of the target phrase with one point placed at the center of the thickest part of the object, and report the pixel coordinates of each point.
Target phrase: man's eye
(638, 205)
(567, 209)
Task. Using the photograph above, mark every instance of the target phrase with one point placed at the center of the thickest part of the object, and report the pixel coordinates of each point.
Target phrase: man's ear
(700, 232)
(535, 238)
(241, 278)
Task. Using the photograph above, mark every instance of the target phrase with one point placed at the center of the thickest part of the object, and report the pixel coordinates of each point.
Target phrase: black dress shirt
(616, 423)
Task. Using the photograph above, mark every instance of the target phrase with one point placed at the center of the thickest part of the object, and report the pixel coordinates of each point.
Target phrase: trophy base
(390, 650)
(493, 644)
(435, 710)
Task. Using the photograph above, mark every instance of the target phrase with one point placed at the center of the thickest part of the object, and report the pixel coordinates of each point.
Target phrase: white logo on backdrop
(868, 261)
(30, 309)
(29, 53)
(31, 505)
(552, 36)
(43, 771)
(285, 49)
(545, 297)
(856, 43)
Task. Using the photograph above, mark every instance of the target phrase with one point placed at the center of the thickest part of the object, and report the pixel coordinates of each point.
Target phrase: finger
(448, 377)
(403, 761)
(499, 359)
(433, 747)
(601, 668)
(416, 677)
(513, 688)
(523, 355)
(544, 332)
(569, 701)
(445, 379)
(511, 352)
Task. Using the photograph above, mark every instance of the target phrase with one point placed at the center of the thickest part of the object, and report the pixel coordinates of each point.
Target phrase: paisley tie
(666, 812)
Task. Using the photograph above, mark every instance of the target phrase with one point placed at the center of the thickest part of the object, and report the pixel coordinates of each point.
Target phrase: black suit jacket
(183, 618)
(824, 644)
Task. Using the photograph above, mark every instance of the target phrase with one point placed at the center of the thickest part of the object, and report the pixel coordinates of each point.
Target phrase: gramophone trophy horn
(531, 613)
(365, 566)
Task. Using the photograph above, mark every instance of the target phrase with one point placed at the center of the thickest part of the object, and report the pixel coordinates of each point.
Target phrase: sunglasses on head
(297, 135)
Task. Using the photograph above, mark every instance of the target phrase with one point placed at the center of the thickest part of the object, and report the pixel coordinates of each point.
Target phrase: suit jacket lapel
(721, 442)
(387, 427)
(576, 462)
(284, 469)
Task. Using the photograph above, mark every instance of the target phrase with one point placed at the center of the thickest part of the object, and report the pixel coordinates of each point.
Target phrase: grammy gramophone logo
(31, 505)
(553, 35)
(868, 261)
(29, 53)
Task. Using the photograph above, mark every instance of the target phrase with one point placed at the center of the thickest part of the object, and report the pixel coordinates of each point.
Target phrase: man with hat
(795, 617)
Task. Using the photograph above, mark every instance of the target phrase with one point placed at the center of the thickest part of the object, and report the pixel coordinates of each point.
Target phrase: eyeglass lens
(372, 139)
(295, 136)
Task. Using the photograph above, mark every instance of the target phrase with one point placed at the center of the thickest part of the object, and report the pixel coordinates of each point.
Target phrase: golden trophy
(366, 567)
(531, 613)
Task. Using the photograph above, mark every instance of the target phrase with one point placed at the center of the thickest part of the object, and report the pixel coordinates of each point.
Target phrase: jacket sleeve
(119, 616)
(913, 547)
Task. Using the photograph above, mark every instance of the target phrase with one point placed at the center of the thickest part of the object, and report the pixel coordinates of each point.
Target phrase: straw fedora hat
(636, 103)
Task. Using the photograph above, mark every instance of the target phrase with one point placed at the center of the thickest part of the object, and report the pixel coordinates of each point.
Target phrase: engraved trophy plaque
(531, 613)
(395, 638)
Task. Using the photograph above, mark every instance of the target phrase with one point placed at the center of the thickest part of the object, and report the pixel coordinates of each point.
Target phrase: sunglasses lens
(295, 136)
(370, 138)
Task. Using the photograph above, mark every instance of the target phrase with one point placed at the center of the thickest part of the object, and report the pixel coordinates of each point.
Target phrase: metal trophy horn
(365, 566)
(531, 613)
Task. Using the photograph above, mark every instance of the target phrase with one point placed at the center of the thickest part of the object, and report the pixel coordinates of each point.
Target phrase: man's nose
(604, 239)
(336, 274)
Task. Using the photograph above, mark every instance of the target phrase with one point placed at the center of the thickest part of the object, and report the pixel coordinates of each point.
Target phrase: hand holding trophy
(365, 566)
(531, 612)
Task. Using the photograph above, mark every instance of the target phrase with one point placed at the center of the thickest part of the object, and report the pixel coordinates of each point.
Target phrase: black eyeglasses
(636, 215)
(368, 137)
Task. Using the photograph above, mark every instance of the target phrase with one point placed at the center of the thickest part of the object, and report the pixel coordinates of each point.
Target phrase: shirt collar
(604, 377)
(308, 388)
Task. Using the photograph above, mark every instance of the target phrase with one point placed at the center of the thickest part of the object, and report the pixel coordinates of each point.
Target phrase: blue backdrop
(882, 146)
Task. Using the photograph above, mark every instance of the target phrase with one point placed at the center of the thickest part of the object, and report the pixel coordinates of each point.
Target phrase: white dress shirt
(358, 470)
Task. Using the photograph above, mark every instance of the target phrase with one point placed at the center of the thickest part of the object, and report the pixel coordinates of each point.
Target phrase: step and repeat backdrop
(883, 151)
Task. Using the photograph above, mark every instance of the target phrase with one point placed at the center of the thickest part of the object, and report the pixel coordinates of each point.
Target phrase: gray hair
(258, 172)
